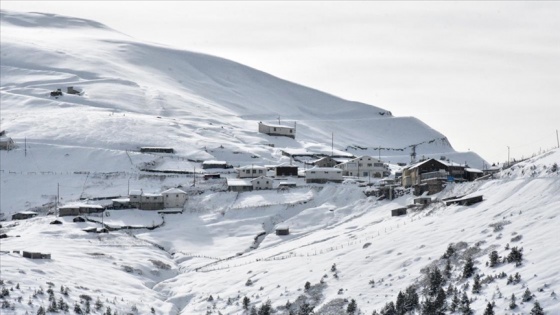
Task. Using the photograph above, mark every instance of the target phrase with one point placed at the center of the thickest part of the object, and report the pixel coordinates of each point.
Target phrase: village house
(239, 185)
(214, 164)
(364, 166)
(174, 198)
(6, 143)
(144, 201)
(251, 171)
(277, 130)
(321, 175)
(23, 215)
(472, 174)
(286, 170)
(262, 182)
(326, 161)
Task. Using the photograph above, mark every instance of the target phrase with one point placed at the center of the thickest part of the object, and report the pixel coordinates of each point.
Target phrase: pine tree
(489, 309)
(411, 300)
(527, 295)
(265, 308)
(516, 256)
(351, 307)
(52, 307)
(494, 258)
(465, 307)
(468, 270)
(305, 309)
(436, 280)
(333, 267)
(246, 302)
(455, 303)
(447, 270)
(253, 310)
(440, 304)
(449, 252)
(400, 306)
(41, 311)
(98, 304)
(307, 286)
(476, 284)
(512, 304)
(389, 309)
(537, 309)
(78, 309)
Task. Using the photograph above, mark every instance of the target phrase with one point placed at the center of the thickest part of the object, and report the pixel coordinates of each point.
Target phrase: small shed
(211, 176)
(286, 170)
(6, 143)
(286, 185)
(423, 201)
(71, 90)
(398, 212)
(35, 255)
(156, 150)
(214, 164)
(321, 175)
(282, 230)
(24, 215)
(78, 219)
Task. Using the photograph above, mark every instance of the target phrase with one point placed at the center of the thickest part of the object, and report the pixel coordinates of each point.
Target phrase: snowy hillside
(222, 252)
(132, 89)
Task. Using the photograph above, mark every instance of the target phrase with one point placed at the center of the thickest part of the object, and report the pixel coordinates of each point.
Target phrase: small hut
(282, 230)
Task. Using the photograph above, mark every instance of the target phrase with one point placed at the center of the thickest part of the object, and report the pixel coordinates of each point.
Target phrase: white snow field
(135, 94)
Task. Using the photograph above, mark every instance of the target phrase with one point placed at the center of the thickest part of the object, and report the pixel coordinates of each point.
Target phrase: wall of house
(251, 172)
(174, 200)
(323, 175)
(262, 183)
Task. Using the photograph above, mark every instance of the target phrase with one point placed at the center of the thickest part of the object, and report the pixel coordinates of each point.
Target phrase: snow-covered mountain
(139, 94)
(223, 248)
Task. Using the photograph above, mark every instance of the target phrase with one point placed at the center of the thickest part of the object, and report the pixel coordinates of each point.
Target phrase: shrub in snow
(449, 252)
(352, 307)
(246, 302)
(333, 267)
(249, 282)
(512, 304)
(527, 295)
(307, 286)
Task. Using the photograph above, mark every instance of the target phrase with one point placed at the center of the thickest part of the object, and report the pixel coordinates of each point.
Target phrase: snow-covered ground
(206, 108)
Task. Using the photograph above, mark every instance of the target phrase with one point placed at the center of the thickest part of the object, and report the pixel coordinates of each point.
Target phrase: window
(291, 131)
(258, 182)
(369, 164)
(313, 172)
(365, 173)
(177, 196)
(260, 171)
(274, 129)
(254, 171)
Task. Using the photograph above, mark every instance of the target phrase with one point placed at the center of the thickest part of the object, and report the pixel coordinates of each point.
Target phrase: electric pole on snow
(57, 198)
(557, 141)
(25, 141)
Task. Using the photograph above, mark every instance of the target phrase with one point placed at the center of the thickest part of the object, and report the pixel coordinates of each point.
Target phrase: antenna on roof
(413, 154)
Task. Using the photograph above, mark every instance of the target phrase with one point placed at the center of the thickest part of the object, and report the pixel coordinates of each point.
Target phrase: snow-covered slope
(138, 94)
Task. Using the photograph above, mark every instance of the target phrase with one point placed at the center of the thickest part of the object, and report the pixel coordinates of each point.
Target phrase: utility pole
(128, 194)
(194, 176)
(57, 198)
(332, 144)
(25, 141)
(557, 141)
(279, 119)
(379, 152)
(508, 157)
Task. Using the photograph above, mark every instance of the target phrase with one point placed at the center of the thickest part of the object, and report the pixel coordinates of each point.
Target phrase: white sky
(486, 75)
